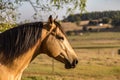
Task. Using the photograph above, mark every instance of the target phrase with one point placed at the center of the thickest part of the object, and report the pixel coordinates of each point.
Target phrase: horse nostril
(74, 63)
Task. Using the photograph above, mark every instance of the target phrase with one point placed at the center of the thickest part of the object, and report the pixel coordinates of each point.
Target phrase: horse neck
(14, 71)
(18, 66)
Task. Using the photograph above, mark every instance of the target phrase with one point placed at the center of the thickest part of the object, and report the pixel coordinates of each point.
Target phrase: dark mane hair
(60, 27)
(15, 41)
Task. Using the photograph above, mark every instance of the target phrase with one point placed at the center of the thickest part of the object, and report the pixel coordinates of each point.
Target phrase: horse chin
(67, 66)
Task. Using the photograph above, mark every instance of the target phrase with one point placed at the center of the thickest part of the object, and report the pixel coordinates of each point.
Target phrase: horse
(21, 44)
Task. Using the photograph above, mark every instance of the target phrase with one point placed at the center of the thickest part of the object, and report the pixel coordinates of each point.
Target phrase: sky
(92, 5)
(102, 5)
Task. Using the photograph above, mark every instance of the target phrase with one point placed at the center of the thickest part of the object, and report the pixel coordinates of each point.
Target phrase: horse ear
(52, 25)
(50, 19)
(56, 18)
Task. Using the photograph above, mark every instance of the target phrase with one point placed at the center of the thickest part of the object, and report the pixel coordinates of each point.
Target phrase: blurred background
(92, 28)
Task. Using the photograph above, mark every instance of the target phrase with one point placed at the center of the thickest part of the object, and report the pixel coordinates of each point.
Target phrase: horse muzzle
(69, 65)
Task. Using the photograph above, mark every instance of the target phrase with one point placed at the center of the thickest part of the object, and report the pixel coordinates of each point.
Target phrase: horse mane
(16, 41)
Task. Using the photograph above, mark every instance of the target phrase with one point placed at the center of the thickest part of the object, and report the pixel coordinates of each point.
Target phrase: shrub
(5, 26)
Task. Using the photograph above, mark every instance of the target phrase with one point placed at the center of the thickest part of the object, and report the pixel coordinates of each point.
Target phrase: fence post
(53, 66)
(118, 51)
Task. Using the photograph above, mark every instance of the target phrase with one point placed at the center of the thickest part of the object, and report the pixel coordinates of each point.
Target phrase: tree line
(106, 16)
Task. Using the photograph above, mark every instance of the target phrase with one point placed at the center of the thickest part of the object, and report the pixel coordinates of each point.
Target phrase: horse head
(56, 45)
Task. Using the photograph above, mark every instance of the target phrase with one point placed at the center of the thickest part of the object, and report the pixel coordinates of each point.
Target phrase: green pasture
(98, 60)
(96, 40)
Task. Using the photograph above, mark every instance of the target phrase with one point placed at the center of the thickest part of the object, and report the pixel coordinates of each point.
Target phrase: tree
(7, 11)
(8, 7)
(116, 20)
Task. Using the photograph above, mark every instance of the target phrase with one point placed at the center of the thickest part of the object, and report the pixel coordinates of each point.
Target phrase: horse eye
(60, 37)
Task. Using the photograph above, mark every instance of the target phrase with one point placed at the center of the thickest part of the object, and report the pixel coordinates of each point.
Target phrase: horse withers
(21, 44)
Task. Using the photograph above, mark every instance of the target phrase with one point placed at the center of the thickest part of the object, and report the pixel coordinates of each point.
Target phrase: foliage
(106, 20)
(5, 26)
(116, 20)
(9, 7)
(106, 17)
(81, 4)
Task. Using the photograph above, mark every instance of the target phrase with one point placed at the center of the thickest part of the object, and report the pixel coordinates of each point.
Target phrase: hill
(112, 17)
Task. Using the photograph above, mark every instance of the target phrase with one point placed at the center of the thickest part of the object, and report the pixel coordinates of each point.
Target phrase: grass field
(98, 60)
(104, 39)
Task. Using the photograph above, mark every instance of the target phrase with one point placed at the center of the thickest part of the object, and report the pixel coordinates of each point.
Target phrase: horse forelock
(16, 41)
(60, 27)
